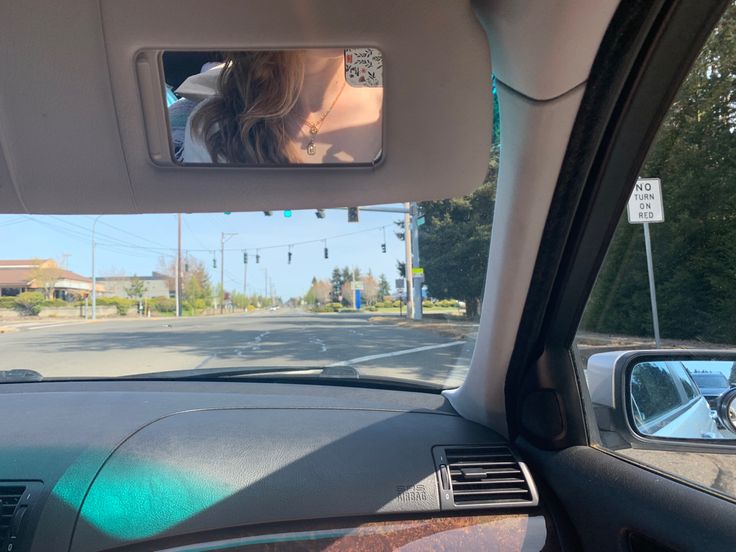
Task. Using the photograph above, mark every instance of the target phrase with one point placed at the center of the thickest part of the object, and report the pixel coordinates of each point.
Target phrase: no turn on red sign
(645, 203)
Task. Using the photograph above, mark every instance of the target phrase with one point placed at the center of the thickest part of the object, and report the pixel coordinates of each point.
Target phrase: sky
(133, 244)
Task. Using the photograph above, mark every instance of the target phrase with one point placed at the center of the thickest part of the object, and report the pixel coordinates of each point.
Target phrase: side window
(654, 389)
(684, 378)
(668, 283)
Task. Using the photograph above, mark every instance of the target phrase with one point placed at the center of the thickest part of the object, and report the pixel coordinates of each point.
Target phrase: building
(45, 276)
(155, 285)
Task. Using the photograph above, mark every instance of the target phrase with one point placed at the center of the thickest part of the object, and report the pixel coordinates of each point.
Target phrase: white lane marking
(397, 353)
(254, 345)
(319, 343)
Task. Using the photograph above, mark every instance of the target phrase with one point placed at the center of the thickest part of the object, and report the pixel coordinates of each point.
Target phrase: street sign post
(646, 206)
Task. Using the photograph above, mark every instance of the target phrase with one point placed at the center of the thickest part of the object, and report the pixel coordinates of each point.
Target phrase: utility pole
(177, 282)
(416, 281)
(265, 288)
(408, 262)
(245, 274)
(94, 274)
(224, 236)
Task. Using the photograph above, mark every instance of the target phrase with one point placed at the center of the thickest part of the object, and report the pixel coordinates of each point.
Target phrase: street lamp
(94, 276)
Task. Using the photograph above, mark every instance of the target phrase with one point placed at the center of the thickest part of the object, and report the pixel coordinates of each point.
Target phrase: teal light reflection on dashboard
(132, 500)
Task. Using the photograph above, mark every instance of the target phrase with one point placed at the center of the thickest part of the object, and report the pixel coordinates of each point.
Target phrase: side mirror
(663, 395)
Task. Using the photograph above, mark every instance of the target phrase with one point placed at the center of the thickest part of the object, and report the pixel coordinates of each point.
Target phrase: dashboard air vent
(16, 499)
(10, 496)
(483, 477)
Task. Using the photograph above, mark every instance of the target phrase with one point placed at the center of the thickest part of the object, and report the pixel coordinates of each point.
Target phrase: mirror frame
(622, 414)
(723, 406)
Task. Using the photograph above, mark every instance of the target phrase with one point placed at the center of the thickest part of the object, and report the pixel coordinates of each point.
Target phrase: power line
(128, 232)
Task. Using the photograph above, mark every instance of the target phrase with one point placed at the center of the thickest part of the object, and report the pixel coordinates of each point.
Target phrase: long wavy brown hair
(248, 121)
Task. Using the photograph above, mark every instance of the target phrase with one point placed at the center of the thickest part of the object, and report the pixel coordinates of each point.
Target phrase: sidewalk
(11, 326)
(458, 329)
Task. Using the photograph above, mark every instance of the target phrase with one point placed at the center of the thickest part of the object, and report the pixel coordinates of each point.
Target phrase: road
(283, 338)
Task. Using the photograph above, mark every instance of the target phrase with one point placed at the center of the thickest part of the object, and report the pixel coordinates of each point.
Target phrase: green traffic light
(287, 213)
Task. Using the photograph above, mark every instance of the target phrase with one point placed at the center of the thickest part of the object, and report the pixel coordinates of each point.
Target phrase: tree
(137, 288)
(347, 294)
(195, 285)
(336, 282)
(44, 276)
(370, 289)
(384, 288)
(694, 251)
(319, 292)
(347, 275)
(322, 290)
(310, 298)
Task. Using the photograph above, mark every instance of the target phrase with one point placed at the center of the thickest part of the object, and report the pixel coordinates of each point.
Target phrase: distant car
(712, 385)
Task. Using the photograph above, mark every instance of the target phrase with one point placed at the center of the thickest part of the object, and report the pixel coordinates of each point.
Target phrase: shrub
(57, 303)
(7, 302)
(120, 303)
(29, 302)
(427, 304)
(162, 304)
(396, 304)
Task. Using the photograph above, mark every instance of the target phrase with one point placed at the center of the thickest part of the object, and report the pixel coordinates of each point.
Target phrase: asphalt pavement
(118, 347)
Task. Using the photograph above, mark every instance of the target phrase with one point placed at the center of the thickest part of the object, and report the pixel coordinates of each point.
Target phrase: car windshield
(710, 380)
(96, 296)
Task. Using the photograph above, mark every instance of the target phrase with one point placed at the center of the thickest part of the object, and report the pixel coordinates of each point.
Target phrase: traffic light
(327, 254)
(245, 258)
(383, 248)
(289, 257)
(353, 214)
(287, 213)
(268, 213)
(258, 258)
(186, 266)
(214, 263)
(320, 213)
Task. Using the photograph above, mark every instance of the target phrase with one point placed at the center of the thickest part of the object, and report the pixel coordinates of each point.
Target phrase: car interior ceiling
(141, 465)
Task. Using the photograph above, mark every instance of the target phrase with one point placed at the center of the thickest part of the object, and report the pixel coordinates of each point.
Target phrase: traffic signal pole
(224, 236)
(408, 262)
(416, 280)
(177, 280)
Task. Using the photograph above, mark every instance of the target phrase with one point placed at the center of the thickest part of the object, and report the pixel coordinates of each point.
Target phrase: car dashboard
(141, 465)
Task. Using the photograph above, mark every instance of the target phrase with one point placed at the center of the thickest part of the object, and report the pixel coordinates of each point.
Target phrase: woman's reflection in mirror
(283, 107)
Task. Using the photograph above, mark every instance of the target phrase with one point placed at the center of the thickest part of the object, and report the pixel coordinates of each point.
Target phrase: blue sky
(132, 244)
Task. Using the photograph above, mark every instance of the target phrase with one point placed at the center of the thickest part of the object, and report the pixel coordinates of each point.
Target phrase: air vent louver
(488, 476)
(10, 496)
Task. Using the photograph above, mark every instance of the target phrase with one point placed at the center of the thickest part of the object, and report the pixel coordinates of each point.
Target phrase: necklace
(314, 128)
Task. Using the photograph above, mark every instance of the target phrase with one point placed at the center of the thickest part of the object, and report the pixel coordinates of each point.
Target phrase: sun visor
(84, 126)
